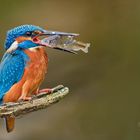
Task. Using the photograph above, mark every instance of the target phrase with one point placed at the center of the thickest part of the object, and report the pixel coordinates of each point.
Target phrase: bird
(24, 65)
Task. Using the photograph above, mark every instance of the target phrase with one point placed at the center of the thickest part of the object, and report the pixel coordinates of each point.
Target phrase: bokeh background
(104, 99)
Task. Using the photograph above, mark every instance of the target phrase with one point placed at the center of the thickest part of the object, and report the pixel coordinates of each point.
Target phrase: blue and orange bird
(24, 65)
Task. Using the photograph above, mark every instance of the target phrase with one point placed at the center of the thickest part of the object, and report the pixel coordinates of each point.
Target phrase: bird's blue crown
(19, 31)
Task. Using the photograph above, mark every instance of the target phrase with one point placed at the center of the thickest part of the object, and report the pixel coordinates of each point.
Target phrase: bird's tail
(10, 123)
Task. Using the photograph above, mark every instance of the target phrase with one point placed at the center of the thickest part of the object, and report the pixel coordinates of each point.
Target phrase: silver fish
(66, 43)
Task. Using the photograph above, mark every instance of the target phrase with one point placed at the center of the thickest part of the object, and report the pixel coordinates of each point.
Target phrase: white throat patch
(13, 47)
(34, 48)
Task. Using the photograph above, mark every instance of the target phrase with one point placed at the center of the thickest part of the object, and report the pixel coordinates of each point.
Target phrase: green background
(103, 103)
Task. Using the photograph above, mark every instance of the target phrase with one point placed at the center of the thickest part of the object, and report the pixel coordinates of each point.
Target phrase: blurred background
(103, 103)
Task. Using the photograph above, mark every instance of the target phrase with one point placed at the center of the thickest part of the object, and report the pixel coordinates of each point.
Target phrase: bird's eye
(28, 33)
(33, 33)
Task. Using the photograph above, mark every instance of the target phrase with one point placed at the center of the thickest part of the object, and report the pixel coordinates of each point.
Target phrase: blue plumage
(26, 44)
(11, 70)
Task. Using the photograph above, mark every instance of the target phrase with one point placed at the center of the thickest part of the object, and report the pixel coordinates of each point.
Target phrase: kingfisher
(24, 65)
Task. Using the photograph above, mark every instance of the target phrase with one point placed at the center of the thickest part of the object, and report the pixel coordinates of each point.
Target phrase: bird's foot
(42, 92)
(50, 90)
(24, 98)
(46, 90)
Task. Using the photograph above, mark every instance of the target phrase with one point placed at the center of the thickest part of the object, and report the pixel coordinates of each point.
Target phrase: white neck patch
(13, 47)
(34, 48)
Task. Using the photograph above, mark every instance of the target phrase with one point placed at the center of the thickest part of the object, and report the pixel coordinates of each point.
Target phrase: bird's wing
(11, 71)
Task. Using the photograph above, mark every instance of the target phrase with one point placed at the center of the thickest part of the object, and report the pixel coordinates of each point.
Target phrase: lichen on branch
(41, 101)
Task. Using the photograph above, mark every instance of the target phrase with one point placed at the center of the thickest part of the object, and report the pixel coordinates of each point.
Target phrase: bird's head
(28, 36)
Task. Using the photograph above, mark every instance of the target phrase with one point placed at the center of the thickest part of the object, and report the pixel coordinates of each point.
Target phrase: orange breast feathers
(32, 78)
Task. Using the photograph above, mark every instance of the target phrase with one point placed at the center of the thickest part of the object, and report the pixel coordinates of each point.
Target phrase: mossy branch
(41, 101)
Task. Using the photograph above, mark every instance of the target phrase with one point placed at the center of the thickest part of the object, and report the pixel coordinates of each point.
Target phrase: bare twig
(41, 101)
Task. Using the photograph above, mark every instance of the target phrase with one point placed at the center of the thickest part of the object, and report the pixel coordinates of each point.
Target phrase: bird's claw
(21, 99)
(46, 90)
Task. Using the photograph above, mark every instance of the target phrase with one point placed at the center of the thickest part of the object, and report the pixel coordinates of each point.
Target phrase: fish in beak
(61, 41)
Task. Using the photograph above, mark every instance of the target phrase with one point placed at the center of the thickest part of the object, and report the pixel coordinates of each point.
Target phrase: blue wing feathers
(11, 71)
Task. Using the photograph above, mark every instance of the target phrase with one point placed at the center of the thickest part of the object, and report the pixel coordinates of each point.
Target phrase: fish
(66, 43)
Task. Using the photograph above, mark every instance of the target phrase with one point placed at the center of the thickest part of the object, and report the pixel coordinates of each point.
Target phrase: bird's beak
(52, 36)
(50, 33)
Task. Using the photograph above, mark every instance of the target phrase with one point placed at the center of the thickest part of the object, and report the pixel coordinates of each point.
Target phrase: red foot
(21, 98)
(47, 90)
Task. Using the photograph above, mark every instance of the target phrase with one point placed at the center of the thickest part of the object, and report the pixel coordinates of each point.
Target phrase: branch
(41, 101)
